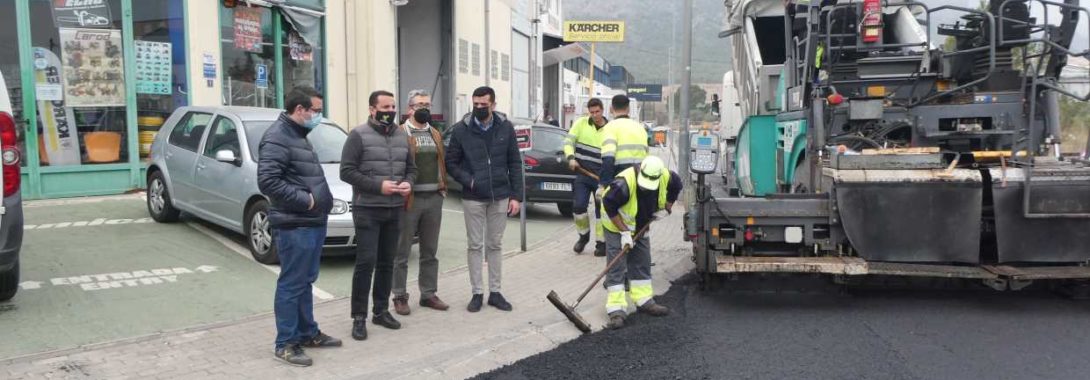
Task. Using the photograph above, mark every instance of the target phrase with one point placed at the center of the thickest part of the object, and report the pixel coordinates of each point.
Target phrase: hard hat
(651, 169)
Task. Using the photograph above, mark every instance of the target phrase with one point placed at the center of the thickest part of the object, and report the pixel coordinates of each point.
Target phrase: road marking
(457, 211)
(86, 223)
(239, 249)
(83, 200)
(116, 280)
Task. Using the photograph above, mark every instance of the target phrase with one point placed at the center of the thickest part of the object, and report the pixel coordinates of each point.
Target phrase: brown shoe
(654, 309)
(401, 305)
(435, 303)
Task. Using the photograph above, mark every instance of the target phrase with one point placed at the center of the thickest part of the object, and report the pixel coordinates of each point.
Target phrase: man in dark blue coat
(484, 157)
(290, 175)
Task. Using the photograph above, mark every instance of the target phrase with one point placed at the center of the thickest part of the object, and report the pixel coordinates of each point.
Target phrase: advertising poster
(153, 67)
(248, 29)
(57, 119)
(81, 13)
(93, 67)
(300, 50)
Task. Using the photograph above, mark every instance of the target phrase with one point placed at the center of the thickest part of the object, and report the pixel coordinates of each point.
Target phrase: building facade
(92, 81)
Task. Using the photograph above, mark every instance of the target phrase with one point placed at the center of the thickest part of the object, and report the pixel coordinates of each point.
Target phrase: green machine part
(755, 158)
(791, 140)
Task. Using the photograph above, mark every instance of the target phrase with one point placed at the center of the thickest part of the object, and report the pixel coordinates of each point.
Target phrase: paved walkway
(431, 344)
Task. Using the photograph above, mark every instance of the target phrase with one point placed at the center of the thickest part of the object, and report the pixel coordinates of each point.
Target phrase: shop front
(92, 81)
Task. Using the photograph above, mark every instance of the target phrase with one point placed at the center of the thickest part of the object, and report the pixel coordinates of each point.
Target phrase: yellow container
(146, 138)
(150, 121)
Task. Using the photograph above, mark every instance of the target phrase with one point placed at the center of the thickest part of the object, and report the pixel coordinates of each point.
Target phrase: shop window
(79, 82)
(161, 78)
(9, 69)
(302, 61)
(187, 134)
(249, 56)
(224, 136)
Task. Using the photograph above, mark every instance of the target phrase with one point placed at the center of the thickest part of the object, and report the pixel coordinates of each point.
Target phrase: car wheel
(565, 209)
(159, 202)
(9, 282)
(259, 234)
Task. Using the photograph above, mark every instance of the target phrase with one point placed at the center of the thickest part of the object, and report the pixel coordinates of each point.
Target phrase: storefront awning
(304, 15)
(563, 53)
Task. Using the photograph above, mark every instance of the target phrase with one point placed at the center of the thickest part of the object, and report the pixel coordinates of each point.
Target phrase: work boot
(653, 309)
(322, 340)
(581, 243)
(600, 249)
(294, 355)
(475, 303)
(359, 328)
(401, 305)
(386, 320)
(496, 299)
(616, 320)
(435, 303)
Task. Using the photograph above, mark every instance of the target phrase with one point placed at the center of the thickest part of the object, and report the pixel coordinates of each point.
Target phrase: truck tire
(799, 184)
(259, 234)
(9, 282)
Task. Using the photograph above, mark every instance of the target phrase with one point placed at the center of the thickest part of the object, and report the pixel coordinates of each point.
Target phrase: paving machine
(896, 138)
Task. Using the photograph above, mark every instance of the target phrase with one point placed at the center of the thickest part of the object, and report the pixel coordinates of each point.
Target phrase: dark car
(548, 179)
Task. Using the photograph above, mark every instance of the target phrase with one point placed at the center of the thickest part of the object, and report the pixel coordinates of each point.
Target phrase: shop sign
(300, 50)
(209, 68)
(248, 29)
(262, 77)
(523, 136)
(593, 31)
(645, 92)
(93, 67)
(81, 13)
(57, 119)
(153, 67)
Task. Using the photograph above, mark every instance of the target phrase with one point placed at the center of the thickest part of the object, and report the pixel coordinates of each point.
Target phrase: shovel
(569, 311)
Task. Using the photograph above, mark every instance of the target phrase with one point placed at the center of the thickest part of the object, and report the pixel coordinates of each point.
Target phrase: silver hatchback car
(204, 162)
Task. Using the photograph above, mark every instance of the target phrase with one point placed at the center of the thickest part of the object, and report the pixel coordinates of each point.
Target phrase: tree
(697, 103)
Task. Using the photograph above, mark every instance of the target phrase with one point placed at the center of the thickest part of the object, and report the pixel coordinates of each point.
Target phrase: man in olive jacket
(377, 162)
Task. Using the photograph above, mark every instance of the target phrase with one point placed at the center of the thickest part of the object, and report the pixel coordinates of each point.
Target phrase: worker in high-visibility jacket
(583, 148)
(639, 195)
(624, 143)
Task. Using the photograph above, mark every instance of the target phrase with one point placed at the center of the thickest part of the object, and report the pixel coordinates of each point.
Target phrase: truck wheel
(9, 282)
(565, 209)
(259, 234)
(158, 198)
(799, 184)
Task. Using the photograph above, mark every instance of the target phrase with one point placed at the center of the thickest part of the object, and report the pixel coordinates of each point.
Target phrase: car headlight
(339, 207)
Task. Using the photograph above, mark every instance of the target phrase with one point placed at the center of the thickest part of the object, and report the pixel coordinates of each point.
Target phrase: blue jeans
(300, 251)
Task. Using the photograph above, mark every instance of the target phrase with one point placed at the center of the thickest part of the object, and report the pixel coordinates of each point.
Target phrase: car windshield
(327, 140)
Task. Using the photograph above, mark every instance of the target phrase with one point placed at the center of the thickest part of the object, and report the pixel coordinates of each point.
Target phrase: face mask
(422, 115)
(481, 113)
(385, 117)
(313, 121)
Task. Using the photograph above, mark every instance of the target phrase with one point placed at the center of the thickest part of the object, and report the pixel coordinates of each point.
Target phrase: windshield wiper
(330, 162)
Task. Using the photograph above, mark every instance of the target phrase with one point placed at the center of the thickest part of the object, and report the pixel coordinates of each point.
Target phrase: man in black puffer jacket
(290, 175)
(484, 157)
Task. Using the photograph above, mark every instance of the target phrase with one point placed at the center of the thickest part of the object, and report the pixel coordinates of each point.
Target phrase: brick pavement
(431, 344)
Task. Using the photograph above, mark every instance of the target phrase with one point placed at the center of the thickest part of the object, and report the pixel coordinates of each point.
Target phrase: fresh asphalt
(773, 331)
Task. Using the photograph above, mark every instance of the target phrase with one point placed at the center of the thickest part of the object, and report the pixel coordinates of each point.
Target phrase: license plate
(555, 186)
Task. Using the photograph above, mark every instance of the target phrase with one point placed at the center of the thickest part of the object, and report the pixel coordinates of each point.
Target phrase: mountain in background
(648, 39)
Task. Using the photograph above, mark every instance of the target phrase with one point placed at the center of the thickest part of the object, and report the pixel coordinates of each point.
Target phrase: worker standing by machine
(624, 142)
(638, 195)
(583, 149)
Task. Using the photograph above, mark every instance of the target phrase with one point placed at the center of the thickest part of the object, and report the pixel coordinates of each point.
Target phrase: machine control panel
(704, 152)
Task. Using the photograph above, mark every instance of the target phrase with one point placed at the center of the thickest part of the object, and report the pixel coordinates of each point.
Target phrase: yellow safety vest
(629, 210)
(584, 143)
(625, 140)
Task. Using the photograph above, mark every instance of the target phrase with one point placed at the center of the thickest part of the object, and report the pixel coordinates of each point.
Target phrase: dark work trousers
(377, 233)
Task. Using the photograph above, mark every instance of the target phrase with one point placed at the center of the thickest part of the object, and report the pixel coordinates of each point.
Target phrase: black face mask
(481, 113)
(422, 115)
(385, 117)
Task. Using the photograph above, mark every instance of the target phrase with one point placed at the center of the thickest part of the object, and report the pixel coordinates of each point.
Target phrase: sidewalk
(430, 344)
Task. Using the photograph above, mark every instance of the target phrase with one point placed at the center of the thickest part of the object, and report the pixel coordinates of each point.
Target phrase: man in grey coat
(377, 162)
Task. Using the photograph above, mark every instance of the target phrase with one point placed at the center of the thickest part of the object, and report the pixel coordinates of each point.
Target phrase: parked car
(11, 215)
(204, 162)
(548, 179)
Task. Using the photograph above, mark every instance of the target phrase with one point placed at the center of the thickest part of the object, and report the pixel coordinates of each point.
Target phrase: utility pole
(670, 72)
(686, 82)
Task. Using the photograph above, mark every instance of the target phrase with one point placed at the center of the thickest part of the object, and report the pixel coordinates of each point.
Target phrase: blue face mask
(313, 121)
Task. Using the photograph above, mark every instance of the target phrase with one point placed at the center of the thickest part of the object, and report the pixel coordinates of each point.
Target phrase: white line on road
(321, 294)
(457, 211)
